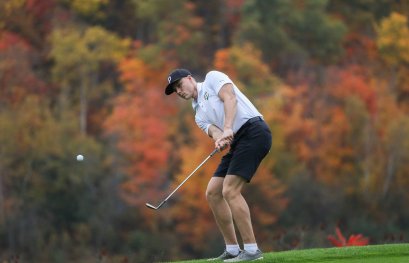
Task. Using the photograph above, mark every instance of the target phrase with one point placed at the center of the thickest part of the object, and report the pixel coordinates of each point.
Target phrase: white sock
(233, 249)
(252, 248)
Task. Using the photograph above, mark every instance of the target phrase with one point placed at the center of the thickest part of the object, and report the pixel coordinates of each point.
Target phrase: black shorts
(250, 145)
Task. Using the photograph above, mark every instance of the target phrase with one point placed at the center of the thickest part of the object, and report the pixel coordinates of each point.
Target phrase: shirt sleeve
(217, 80)
(202, 124)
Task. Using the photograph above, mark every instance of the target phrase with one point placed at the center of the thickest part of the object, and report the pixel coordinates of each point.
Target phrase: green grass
(393, 253)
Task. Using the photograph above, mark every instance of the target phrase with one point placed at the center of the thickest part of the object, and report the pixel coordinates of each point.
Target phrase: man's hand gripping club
(225, 139)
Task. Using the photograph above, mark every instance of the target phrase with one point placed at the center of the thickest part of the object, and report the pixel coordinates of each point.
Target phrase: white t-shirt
(209, 107)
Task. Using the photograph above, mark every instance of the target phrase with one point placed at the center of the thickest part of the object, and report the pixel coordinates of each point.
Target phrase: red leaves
(353, 81)
(10, 40)
(353, 240)
(140, 125)
(358, 240)
(17, 79)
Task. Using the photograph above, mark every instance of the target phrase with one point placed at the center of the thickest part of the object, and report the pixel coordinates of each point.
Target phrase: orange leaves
(316, 126)
(353, 81)
(193, 219)
(138, 76)
(298, 129)
(245, 66)
(243, 62)
(222, 63)
(267, 195)
(139, 121)
(128, 68)
(353, 240)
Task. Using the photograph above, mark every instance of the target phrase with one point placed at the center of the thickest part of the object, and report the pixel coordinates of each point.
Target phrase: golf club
(197, 168)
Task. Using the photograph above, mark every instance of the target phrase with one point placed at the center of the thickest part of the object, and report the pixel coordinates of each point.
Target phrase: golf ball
(80, 157)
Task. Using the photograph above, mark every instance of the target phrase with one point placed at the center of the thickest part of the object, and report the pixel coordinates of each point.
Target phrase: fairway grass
(390, 253)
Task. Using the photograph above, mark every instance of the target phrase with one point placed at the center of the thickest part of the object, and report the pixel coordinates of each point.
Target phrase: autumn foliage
(140, 118)
(87, 77)
(353, 240)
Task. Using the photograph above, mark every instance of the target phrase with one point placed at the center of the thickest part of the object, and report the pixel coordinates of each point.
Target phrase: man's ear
(191, 78)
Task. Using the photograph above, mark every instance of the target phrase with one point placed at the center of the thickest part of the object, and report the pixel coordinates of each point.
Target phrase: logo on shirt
(206, 95)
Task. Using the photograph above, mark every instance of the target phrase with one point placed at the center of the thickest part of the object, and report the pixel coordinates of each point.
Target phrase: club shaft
(187, 178)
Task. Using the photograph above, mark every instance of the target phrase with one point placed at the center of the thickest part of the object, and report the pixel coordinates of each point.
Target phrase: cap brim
(169, 89)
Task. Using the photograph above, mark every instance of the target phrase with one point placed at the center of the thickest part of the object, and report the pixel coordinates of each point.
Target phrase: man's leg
(231, 192)
(221, 210)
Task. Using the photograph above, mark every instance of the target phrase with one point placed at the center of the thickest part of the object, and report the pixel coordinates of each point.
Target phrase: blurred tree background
(331, 78)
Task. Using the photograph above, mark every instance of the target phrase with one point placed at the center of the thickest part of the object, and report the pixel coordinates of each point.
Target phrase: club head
(151, 206)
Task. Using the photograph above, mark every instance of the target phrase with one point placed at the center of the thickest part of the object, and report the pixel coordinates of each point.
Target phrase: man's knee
(229, 193)
(213, 195)
(214, 189)
(232, 187)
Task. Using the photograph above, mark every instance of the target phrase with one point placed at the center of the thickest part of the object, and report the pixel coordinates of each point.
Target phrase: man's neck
(196, 93)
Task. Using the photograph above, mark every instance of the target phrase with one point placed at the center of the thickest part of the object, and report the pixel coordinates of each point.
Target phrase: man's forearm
(229, 99)
(230, 108)
(214, 132)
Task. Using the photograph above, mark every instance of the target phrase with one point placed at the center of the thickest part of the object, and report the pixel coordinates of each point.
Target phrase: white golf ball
(80, 157)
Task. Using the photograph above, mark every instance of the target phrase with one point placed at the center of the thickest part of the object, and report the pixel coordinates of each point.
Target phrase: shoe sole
(253, 259)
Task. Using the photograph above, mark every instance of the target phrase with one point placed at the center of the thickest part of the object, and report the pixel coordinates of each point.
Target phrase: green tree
(78, 56)
(46, 196)
(361, 15)
(291, 33)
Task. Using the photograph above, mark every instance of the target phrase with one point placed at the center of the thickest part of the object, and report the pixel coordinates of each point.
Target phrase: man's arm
(214, 132)
(229, 99)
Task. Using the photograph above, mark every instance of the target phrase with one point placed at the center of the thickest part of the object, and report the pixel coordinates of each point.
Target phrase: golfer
(226, 115)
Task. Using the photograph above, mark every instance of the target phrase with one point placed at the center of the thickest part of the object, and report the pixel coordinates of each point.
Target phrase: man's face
(185, 88)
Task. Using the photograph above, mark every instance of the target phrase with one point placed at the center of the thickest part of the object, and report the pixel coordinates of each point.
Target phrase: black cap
(174, 76)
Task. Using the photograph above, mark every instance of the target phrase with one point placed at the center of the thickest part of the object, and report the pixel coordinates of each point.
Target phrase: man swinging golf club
(227, 116)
